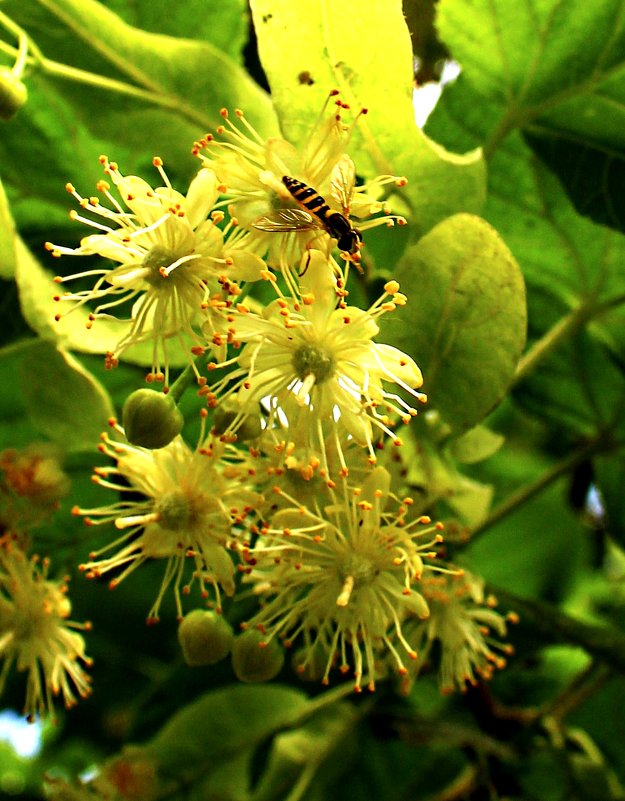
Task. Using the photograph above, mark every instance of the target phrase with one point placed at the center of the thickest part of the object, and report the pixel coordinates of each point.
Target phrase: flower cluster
(345, 577)
(286, 495)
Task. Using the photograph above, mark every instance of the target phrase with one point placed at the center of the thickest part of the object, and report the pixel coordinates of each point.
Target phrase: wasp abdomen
(306, 196)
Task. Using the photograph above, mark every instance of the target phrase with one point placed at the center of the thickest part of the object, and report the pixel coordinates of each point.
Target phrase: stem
(63, 71)
(584, 685)
(22, 48)
(564, 328)
(184, 380)
(327, 699)
(603, 642)
(523, 494)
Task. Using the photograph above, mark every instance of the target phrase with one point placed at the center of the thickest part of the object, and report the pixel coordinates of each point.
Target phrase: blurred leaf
(609, 477)
(16, 428)
(476, 445)
(68, 124)
(354, 49)
(7, 238)
(76, 406)
(470, 333)
(310, 757)
(223, 24)
(471, 501)
(539, 549)
(222, 723)
(592, 175)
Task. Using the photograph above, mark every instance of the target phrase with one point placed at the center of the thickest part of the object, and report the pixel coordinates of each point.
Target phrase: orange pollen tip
(157, 161)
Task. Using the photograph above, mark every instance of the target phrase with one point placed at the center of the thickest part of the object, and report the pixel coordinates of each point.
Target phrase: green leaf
(465, 319)
(7, 238)
(355, 47)
(65, 402)
(221, 724)
(177, 88)
(471, 501)
(222, 24)
(592, 175)
(577, 386)
(549, 66)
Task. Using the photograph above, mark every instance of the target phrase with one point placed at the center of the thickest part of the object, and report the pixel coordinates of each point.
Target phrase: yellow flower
(193, 501)
(173, 263)
(314, 352)
(251, 171)
(343, 578)
(35, 633)
(466, 626)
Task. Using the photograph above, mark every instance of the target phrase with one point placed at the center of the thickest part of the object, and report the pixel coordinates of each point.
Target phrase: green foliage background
(514, 188)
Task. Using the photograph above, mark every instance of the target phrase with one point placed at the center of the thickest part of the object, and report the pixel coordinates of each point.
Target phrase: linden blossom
(193, 500)
(314, 351)
(343, 577)
(462, 621)
(175, 265)
(251, 169)
(36, 635)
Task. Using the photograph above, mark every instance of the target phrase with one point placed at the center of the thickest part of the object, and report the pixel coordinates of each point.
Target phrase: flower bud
(151, 419)
(13, 94)
(253, 659)
(205, 637)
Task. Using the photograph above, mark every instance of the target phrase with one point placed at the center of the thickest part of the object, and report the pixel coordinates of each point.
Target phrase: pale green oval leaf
(465, 319)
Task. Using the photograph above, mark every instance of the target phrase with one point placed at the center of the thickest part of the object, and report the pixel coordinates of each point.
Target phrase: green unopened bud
(254, 659)
(247, 429)
(151, 419)
(13, 94)
(205, 638)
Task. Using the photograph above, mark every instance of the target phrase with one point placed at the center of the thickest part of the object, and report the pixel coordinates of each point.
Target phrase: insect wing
(342, 182)
(283, 220)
